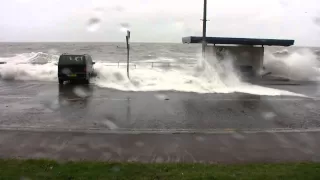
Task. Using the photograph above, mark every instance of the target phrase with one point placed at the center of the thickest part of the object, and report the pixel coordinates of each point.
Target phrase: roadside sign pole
(128, 52)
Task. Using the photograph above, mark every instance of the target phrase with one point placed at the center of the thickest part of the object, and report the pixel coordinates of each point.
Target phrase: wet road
(157, 117)
(35, 104)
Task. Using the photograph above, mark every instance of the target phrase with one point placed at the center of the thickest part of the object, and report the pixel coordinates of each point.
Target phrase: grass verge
(47, 169)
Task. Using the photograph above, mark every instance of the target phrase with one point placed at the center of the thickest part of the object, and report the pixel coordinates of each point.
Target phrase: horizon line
(135, 42)
(87, 42)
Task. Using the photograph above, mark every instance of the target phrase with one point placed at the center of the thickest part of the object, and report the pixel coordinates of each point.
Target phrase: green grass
(46, 170)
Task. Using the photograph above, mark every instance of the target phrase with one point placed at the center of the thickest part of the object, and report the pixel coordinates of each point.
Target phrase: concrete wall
(243, 56)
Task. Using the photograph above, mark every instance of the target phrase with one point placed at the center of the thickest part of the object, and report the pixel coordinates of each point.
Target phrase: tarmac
(76, 122)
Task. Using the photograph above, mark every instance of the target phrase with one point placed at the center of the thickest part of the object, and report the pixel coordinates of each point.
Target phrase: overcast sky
(158, 20)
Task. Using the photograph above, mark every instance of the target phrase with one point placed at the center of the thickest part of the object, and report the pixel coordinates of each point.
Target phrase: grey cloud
(125, 25)
(119, 8)
(316, 20)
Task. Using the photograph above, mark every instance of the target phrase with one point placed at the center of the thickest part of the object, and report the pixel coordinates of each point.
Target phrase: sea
(155, 66)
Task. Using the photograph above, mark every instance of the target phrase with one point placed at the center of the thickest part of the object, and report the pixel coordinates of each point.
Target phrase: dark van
(73, 67)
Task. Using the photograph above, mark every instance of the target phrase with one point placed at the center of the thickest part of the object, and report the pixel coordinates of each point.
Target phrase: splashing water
(53, 51)
(207, 77)
(220, 73)
(299, 65)
(268, 115)
(111, 125)
(29, 66)
(81, 92)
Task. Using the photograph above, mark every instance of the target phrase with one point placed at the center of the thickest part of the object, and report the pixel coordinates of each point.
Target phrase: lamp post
(204, 27)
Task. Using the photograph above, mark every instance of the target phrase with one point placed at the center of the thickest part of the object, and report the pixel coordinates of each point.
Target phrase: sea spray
(215, 77)
(302, 64)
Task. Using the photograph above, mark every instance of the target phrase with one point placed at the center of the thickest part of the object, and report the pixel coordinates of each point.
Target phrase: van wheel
(61, 81)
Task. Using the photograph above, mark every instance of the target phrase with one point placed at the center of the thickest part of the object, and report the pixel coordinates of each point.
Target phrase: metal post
(128, 52)
(204, 27)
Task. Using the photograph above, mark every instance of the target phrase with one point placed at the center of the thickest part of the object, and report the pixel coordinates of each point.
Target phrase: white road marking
(212, 99)
(154, 131)
(16, 97)
(257, 99)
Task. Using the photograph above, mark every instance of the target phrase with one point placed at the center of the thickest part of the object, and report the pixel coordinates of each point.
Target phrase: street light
(204, 27)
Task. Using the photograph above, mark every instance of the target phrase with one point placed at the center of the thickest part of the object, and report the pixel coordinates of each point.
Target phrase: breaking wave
(300, 65)
(201, 77)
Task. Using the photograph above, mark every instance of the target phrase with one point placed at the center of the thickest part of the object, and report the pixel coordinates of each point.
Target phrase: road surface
(72, 122)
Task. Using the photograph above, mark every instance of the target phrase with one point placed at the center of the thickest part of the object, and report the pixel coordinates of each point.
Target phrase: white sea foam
(207, 77)
(298, 65)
